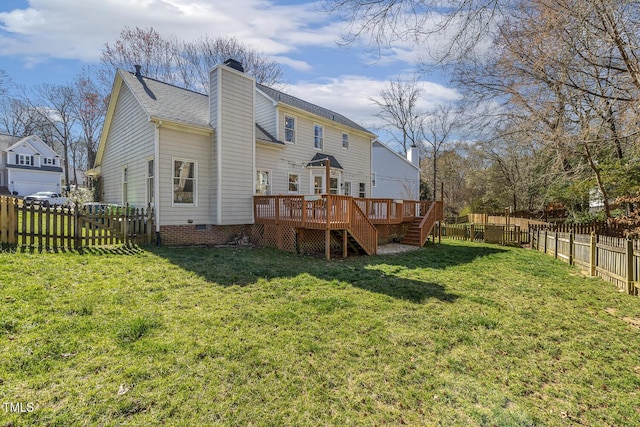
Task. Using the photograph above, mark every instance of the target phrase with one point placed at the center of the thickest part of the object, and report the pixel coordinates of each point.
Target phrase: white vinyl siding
(193, 147)
(293, 158)
(235, 144)
(266, 114)
(130, 142)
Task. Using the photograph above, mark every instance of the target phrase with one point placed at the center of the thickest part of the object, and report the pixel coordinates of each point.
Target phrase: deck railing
(311, 211)
(362, 229)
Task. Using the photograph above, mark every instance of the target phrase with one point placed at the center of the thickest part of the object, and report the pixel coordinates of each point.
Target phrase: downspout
(156, 178)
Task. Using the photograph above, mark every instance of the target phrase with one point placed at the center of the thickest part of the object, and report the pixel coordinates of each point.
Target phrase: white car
(45, 198)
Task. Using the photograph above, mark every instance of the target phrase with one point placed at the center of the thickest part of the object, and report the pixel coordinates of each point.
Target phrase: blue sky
(48, 41)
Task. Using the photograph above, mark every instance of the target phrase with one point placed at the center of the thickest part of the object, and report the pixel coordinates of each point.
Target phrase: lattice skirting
(291, 239)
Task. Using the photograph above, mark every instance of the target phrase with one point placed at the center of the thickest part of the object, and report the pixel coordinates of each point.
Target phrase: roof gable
(36, 144)
(378, 143)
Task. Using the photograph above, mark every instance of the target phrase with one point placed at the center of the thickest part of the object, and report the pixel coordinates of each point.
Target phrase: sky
(49, 41)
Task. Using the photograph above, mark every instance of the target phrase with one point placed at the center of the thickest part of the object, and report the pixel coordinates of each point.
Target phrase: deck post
(344, 243)
(327, 244)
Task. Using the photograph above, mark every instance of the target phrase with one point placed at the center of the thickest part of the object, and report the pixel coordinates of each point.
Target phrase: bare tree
(399, 110)
(56, 106)
(438, 129)
(182, 63)
(89, 108)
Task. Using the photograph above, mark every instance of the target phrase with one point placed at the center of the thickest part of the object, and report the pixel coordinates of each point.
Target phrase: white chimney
(413, 155)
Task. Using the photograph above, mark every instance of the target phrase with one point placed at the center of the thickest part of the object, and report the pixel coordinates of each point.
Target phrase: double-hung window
(184, 182)
(294, 183)
(318, 138)
(150, 182)
(363, 192)
(290, 129)
(345, 140)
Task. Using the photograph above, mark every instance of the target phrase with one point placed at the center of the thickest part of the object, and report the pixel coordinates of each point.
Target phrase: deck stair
(412, 236)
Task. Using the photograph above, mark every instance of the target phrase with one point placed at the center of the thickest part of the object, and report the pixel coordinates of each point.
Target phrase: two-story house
(28, 165)
(200, 158)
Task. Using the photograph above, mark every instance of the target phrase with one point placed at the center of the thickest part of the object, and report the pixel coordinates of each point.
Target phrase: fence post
(571, 248)
(555, 243)
(592, 255)
(545, 240)
(629, 254)
(77, 231)
(472, 234)
(126, 224)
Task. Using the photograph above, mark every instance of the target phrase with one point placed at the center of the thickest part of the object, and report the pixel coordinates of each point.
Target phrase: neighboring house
(28, 165)
(199, 159)
(395, 177)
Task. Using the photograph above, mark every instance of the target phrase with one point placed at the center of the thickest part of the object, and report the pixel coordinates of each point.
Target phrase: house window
(345, 140)
(125, 184)
(21, 159)
(317, 185)
(362, 193)
(347, 188)
(318, 139)
(294, 183)
(49, 161)
(290, 129)
(150, 183)
(263, 183)
(373, 179)
(184, 182)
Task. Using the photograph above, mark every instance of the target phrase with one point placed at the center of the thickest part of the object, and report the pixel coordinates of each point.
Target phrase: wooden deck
(355, 216)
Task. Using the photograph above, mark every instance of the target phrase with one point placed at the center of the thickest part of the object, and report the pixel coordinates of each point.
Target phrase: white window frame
(195, 182)
(49, 161)
(125, 184)
(150, 181)
(297, 183)
(362, 190)
(293, 131)
(317, 127)
(345, 138)
(25, 160)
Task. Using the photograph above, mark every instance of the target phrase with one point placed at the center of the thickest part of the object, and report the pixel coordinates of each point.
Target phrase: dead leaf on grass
(633, 322)
(122, 390)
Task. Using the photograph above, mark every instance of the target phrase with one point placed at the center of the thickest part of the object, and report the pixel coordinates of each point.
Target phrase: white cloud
(71, 29)
(351, 96)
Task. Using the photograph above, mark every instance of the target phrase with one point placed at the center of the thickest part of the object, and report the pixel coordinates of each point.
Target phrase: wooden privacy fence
(614, 259)
(60, 227)
(500, 234)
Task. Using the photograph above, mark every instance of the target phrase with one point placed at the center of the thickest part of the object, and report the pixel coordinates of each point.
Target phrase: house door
(319, 186)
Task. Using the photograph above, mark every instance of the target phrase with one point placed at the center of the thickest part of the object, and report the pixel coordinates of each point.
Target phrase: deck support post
(327, 244)
(344, 243)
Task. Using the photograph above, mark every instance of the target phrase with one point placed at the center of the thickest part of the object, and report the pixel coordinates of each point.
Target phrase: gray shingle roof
(276, 95)
(169, 102)
(173, 103)
(319, 160)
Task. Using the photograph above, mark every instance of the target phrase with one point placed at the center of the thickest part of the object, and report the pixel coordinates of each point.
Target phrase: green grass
(455, 334)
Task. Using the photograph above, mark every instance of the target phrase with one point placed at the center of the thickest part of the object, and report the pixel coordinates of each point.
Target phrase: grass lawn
(454, 334)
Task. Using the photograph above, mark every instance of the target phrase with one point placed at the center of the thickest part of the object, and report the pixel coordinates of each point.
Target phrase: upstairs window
(318, 139)
(345, 140)
(49, 161)
(21, 159)
(150, 182)
(290, 129)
